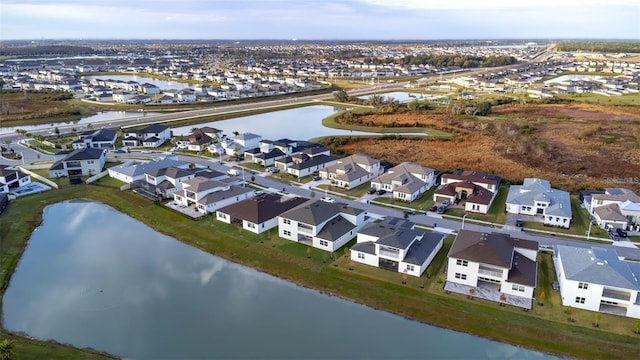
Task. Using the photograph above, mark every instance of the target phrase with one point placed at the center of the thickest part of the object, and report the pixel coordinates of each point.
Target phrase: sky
(320, 19)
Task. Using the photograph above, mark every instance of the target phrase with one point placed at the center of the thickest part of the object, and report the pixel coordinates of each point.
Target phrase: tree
(541, 299)
(308, 252)
(6, 348)
(503, 299)
(236, 133)
(56, 131)
(341, 96)
(596, 323)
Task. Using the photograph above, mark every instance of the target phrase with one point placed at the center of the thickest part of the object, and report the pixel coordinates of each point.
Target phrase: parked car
(372, 191)
(381, 192)
(445, 203)
(433, 208)
(519, 223)
(317, 178)
(410, 211)
(615, 236)
(273, 170)
(327, 199)
(622, 233)
(441, 209)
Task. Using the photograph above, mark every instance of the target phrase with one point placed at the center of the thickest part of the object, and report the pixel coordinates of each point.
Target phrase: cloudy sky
(319, 19)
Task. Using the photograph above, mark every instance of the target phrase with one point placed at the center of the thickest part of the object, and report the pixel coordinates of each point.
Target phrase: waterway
(162, 84)
(94, 277)
(300, 124)
(100, 116)
(401, 96)
(572, 77)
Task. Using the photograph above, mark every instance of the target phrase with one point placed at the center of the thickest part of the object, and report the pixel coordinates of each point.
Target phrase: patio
(489, 292)
(187, 210)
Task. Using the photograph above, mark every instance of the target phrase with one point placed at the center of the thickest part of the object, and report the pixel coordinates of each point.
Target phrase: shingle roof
(317, 212)
(420, 250)
(493, 248)
(335, 228)
(261, 208)
(610, 212)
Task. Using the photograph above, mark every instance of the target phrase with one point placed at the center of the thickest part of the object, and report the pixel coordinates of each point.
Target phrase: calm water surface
(93, 277)
(300, 124)
(100, 116)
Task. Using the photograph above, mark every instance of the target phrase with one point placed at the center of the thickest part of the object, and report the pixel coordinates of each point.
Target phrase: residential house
(495, 263)
(475, 188)
(537, 197)
(164, 182)
(149, 89)
(196, 141)
(323, 225)
(352, 171)
(78, 162)
(596, 279)
(135, 170)
(152, 135)
(239, 144)
(11, 178)
(614, 208)
(100, 139)
(207, 196)
(306, 162)
(395, 245)
(269, 151)
(407, 181)
(258, 214)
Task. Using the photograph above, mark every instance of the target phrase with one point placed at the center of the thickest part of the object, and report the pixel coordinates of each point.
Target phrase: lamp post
(22, 157)
(463, 216)
(589, 231)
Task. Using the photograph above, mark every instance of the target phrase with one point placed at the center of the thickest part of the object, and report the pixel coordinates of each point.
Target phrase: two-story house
(306, 162)
(492, 264)
(614, 208)
(352, 171)
(537, 197)
(11, 178)
(207, 195)
(395, 245)
(79, 162)
(596, 279)
(100, 139)
(152, 135)
(323, 225)
(407, 181)
(475, 188)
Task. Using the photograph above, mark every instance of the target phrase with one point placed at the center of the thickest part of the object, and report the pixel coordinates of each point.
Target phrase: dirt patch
(574, 146)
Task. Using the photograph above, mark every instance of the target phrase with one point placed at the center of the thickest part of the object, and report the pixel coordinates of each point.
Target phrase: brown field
(20, 108)
(575, 146)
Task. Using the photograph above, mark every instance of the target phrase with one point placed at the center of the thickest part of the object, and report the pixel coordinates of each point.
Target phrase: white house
(306, 162)
(494, 262)
(135, 170)
(165, 182)
(407, 181)
(238, 144)
(10, 178)
(323, 225)
(100, 139)
(395, 245)
(258, 214)
(79, 162)
(207, 195)
(614, 208)
(352, 171)
(152, 135)
(536, 197)
(475, 188)
(596, 279)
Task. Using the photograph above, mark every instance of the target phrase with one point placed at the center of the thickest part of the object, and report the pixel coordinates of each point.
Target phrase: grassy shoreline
(283, 259)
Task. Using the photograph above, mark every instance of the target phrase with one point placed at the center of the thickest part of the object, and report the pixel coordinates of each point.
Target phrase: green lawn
(290, 261)
(634, 238)
(423, 203)
(627, 99)
(356, 192)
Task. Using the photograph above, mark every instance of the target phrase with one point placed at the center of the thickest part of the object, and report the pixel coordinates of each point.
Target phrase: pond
(162, 84)
(100, 116)
(300, 123)
(572, 77)
(401, 96)
(94, 277)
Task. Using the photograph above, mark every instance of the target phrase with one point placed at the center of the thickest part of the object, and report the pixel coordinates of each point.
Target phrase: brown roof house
(489, 265)
(258, 214)
(475, 188)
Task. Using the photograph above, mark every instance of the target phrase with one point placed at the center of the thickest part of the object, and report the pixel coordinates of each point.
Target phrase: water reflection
(91, 276)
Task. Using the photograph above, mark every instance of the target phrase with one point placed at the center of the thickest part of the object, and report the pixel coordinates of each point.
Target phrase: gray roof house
(407, 181)
(326, 226)
(596, 279)
(536, 197)
(79, 162)
(101, 139)
(135, 170)
(614, 208)
(395, 245)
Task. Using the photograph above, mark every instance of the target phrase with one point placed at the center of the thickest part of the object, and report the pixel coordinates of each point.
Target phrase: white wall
(260, 228)
(557, 221)
(481, 208)
(369, 259)
(220, 216)
(471, 271)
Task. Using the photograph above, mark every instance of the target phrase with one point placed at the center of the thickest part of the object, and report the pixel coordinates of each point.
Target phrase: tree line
(46, 50)
(461, 61)
(593, 46)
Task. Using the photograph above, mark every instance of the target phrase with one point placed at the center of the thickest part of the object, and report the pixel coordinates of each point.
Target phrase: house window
(360, 256)
(324, 243)
(222, 216)
(516, 287)
(251, 225)
(89, 162)
(461, 276)
(583, 285)
(580, 300)
(462, 262)
(410, 267)
(287, 233)
(286, 221)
